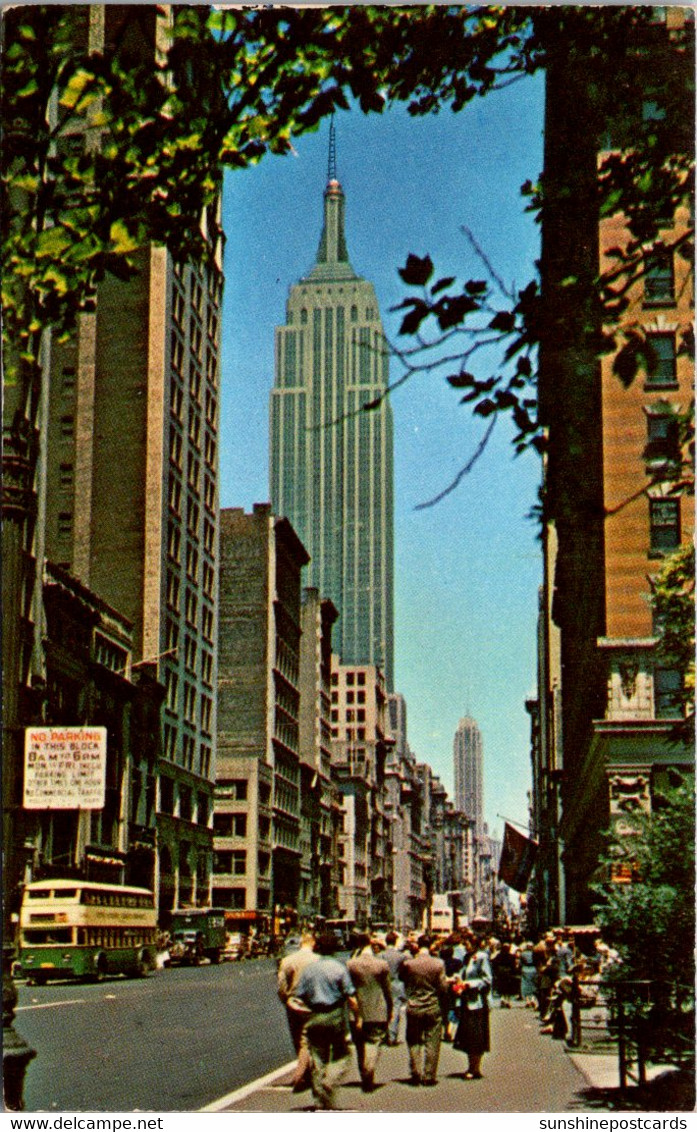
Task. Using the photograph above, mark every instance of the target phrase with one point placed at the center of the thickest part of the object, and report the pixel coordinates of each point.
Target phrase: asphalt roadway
(173, 1042)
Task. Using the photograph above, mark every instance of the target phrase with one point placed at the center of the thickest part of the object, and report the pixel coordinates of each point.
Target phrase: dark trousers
(329, 1053)
(367, 1039)
(424, 1034)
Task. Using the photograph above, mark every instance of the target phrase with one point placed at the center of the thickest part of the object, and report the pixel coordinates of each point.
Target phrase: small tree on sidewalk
(650, 919)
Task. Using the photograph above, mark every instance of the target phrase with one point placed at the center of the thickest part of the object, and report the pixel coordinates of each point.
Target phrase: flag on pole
(517, 858)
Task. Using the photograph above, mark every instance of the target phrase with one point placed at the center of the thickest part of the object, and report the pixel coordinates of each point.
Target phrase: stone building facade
(257, 823)
(605, 712)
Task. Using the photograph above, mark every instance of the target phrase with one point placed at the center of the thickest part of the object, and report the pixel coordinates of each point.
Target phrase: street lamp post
(16, 1052)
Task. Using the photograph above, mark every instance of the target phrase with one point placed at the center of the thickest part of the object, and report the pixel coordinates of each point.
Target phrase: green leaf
(52, 243)
(121, 239)
(31, 88)
(75, 88)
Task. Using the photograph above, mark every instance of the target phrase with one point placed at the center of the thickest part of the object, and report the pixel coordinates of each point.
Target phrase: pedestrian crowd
(444, 988)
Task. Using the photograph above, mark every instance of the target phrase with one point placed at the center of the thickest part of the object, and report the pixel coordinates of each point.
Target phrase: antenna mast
(331, 165)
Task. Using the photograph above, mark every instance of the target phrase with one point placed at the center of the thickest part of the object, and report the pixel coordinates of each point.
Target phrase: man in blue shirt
(326, 989)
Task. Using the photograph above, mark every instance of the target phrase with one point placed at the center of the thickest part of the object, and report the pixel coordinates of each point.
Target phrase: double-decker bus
(85, 930)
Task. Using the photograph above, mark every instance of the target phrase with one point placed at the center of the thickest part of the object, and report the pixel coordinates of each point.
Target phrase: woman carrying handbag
(472, 1036)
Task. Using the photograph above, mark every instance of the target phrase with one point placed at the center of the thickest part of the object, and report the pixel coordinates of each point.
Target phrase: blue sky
(467, 571)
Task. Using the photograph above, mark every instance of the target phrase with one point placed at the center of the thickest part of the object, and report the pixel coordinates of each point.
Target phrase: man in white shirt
(289, 972)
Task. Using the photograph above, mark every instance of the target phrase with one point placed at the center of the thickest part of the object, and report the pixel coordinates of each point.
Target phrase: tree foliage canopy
(652, 920)
(106, 149)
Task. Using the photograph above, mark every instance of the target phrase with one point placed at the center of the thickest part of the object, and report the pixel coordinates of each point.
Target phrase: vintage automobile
(186, 948)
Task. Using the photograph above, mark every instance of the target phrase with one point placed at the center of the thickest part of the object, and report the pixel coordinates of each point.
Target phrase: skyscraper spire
(331, 165)
(332, 255)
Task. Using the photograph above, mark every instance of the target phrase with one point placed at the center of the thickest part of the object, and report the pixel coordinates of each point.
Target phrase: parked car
(186, 949)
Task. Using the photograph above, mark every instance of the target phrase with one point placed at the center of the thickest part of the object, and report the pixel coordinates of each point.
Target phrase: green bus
(85, 930)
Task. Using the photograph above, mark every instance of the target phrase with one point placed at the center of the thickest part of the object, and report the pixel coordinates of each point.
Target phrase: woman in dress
(528, 974)
(472, 1036)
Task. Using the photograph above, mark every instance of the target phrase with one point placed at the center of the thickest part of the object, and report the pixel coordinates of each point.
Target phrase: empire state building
(331, 459)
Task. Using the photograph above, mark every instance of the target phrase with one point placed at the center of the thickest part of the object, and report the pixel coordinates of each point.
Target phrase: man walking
(371, 977)
(297, 1013)
(426, 989)
(326, 989)
(394, 959)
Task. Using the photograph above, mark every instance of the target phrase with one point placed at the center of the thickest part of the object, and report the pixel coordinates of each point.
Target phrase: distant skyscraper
(469, 772)
(331, 463)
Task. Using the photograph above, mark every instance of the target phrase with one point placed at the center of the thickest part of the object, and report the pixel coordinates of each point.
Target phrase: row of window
(351, 678)
(231, 861)
(230, 825)
(352, 734)
(352, 716)
(370, 315)
(183, 802)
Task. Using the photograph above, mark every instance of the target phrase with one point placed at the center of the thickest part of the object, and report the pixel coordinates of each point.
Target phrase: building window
(660, 368)
(67, 475)
(239, 825)
(350, 697)
(663, 438)
(65, 523)
(185, 810)
(234, 788)
(67, 425)
(350, 677)
(651, 111)
(667, 684)
(658, 280)
(166, 796)
(664, 518)
(230, 897)
(222, 825)
(68, 381)
(361, 677)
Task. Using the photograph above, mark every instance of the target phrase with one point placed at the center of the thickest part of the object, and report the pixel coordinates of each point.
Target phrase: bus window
(48, 935)
(39, 893)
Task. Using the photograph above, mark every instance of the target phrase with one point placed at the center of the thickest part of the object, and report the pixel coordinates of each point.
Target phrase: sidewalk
(525, 1072)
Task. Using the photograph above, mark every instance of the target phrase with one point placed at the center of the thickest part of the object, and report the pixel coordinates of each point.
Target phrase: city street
(175, 1041)
(188, 1039)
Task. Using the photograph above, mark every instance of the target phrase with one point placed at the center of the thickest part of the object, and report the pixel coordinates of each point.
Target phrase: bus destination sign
(64, 768)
